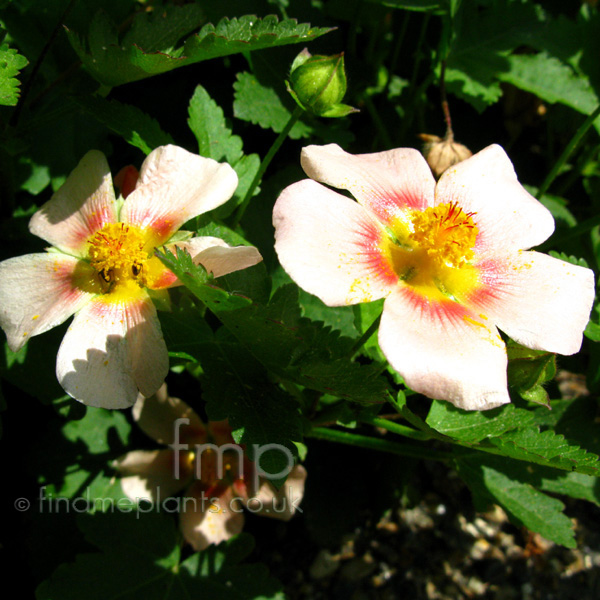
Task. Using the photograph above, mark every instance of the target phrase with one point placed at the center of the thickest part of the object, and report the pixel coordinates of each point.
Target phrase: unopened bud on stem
(318, 84)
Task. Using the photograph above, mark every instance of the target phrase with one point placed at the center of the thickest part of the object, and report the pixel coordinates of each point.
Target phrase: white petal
(444, 351)
(541, 302)
(174, 186)
(39, 292)
(330, 245)
(152, 474)
(157, 416)
(221, 261)
(385, 182)
(112, 350)
(279, 503)
(508, 217)
(210, 516)
(82, 206)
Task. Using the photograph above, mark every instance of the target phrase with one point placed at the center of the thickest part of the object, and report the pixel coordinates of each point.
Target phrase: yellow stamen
(446, 232)
(431, 251)
(117, 253)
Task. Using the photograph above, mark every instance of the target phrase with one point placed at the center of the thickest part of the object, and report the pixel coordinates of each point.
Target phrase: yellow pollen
(446, 233)
(117, 253)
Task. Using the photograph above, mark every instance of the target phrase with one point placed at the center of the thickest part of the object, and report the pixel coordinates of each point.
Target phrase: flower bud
(441, 154)
(318, 84)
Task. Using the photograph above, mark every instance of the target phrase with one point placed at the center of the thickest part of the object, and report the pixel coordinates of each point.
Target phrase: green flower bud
(318, 84)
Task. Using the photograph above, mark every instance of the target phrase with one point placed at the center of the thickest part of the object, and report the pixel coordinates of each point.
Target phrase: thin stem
(445, 108)
(576, 139)
(396, 52)
(364, 338)
(399, 429)
(38, 63)
(382, 130)
(363, 441)
(298, 112)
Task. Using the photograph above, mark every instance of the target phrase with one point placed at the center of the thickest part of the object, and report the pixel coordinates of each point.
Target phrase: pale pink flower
(211, 507)
(102, 263)
(450, 258)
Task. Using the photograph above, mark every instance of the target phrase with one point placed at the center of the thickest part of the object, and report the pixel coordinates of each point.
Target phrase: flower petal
(507, 216)
(157, 416)
(539, 301)
(174, 186)
(79, 208)
(152, 474)
(330, 245)
(221, 261)
(112, 349)
(444, 351)
(210, 516)
(39, 292)
(279, 503)
(384, 182)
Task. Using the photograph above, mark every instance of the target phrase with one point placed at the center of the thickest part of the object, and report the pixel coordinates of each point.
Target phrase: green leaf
(474, 426)
(548, 449)
(11, 63)
(574, 260)
(237, 387)
(288, 345)
(552, 81)
(83, 451)
(207, 122)
(262, 105)
(481, 47)
(528, 370)
(524, 504)
(139, 557)
(129, 122)
(151, 45)
(215, 140)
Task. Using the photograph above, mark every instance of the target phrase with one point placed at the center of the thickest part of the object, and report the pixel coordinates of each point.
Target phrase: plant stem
(363, 441)
(365, 336)
(298, 112)
(399, 429)
(575, 140)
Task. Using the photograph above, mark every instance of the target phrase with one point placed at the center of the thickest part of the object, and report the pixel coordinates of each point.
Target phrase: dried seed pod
(442, 153)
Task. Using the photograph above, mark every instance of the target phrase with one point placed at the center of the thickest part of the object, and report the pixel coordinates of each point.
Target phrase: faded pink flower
(450, 259)
(102, 265)
(216, 488)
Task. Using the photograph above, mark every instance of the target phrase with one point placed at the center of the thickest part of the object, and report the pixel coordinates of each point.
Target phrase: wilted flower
(450, 259)
(204, 461)
(102, 265)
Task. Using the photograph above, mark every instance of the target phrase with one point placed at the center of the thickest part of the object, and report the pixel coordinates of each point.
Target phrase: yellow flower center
(432, 249)
(117, 252)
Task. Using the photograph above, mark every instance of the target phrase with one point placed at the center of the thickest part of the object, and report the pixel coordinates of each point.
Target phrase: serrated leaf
(83, 451)
(11, 63)
(552, 81)
(261, 105)
(548, 449)
(133, 125)
(481, 46)
(150, 47)
(140, 557)
(207, 122)
(524, 504)
(474, 426)
(288, 345)
(236, 387)
(574, 260)
(216, 140)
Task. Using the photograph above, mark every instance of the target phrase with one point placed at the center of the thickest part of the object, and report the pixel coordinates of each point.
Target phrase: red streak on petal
(370, 250)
